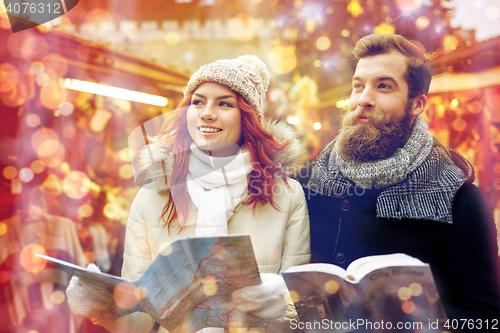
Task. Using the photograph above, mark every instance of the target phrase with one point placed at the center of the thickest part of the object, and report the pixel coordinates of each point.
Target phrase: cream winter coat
(279, 239)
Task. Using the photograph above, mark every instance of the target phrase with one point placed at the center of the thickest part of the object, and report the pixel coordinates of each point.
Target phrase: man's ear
(419, 105)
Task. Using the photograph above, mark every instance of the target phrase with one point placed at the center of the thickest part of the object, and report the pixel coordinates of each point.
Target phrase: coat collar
(426, 193)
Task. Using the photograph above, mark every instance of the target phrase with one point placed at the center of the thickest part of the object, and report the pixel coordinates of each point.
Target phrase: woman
(218, 123)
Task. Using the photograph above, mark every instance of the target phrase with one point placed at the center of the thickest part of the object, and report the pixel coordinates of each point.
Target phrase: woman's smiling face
(214, 119)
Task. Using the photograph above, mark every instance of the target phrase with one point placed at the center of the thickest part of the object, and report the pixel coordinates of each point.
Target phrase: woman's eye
(197, 102)
(226, 104)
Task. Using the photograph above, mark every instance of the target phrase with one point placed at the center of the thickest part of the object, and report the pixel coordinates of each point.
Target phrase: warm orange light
(37, 166)
(459, 124)
(9, 172)
(209, 285)
(3, 228)
(29, 261)
(57, 297)
(408, 307)
(332, 287)
(85, 210)
(125, 295)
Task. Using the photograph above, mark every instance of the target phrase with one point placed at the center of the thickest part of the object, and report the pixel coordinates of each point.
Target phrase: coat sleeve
(137, 257)
(296, 251)
(296, 245)
(470, 265)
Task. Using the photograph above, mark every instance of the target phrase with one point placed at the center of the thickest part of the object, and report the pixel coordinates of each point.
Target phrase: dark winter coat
(462, 254)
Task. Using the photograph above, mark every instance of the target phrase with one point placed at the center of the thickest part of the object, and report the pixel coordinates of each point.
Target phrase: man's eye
(384, 86)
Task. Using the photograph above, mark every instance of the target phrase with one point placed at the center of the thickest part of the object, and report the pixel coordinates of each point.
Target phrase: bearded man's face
(380, 113)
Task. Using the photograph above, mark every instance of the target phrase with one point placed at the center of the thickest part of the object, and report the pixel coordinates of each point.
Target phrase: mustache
(377, 119)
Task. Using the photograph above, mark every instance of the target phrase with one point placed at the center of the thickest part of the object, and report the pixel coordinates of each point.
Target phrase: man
(385, 185)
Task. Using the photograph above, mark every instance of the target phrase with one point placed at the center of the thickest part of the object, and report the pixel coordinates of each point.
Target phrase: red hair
(261, 145)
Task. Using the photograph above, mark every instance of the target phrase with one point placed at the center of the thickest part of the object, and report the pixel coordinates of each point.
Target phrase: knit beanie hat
(247, 75)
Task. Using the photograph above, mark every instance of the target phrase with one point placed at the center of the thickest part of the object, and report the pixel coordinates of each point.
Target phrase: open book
(187, 287)
(393, 291)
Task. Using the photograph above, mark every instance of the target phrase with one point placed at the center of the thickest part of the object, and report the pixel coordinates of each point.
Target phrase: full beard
(374, 141)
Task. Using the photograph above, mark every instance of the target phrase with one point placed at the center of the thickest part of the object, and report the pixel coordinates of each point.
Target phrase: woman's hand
(266, 300)
(89, 299)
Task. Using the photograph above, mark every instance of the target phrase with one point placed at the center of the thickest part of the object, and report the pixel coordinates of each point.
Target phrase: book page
(402, 294)
(362, 266)
(319, 296)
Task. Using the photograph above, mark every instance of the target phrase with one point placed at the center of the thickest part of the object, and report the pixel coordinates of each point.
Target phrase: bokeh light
(243, 27)
(173, 38)
(415, 289)
(3, 229)
(126, 171)
(26, 175)
(57, 297)
(450, 43)
(124, 295)
(29, 261)
(98, 22)
(52, 95)
(89, 257)
(66, 108)
(37, 67)
(55, 65)
(294, 296)
(33, 120)
(74, 185)
(34, 48)
(459, 124)
(140, 292)
(283, 59)
(69, 131)
(45, 142)
(126, 154)
(355, 9)
(317, 126)
(332, 287)
(323, 43)
(408, 307)
(209, 285)
(475, 107)
(404, 293)
(13, 92)
(37, 166)
(85, 210)
(110, 210)
(422, 22)
(9, 172)
(165, 249)
(345, 33)
(384, 28)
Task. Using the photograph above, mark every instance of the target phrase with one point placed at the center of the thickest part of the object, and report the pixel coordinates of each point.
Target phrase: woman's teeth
(209, 130)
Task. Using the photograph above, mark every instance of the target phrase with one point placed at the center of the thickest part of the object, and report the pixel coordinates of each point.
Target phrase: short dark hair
(418, 75)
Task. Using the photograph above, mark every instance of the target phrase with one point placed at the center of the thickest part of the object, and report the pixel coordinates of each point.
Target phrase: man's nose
(367, 99)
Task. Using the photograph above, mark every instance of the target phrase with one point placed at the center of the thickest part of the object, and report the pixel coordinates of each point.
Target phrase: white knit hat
(247, 75)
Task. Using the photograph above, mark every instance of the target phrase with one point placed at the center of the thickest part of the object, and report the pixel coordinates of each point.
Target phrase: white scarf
(216, 185)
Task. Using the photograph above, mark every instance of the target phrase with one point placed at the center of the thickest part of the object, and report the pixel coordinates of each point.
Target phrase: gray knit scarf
(419, 181)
